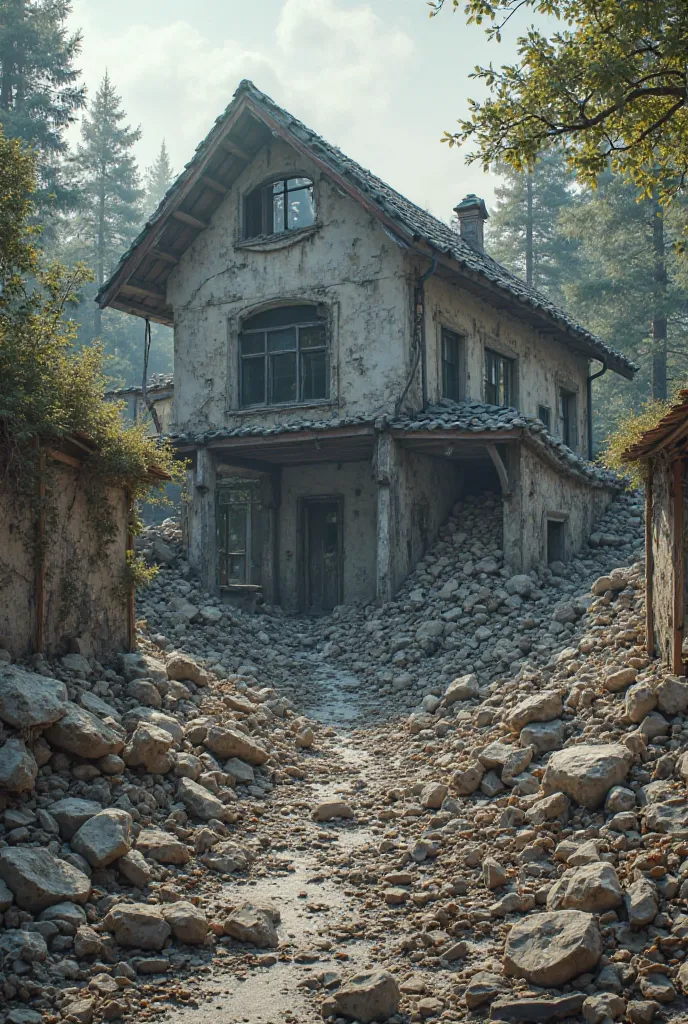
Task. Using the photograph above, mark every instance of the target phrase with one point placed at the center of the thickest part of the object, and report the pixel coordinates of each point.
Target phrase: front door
(323, 554)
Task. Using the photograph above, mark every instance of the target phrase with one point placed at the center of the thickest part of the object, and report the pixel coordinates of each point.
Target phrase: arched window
(283, 357)
(283, 205)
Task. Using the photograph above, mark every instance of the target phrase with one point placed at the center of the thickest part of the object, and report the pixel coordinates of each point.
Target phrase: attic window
(283, 205)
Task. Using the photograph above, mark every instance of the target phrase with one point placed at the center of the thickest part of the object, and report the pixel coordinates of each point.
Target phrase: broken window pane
(284, 205)
(282, 341)
(301, 209)
(283, 378)
(278, 213)
(498, 378)
(312, 336)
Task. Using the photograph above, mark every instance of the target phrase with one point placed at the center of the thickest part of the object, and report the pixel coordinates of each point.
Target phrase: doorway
(323, 551)
(556, 540)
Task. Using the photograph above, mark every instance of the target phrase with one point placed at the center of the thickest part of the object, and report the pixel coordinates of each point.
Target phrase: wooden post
(649, 566)
(131, 596)
(40, 559)
(679, 604)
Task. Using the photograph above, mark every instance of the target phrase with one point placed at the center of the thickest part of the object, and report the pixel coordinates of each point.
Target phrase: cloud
(326, 62)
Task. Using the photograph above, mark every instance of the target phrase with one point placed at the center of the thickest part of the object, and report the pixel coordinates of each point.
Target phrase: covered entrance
(322, 519)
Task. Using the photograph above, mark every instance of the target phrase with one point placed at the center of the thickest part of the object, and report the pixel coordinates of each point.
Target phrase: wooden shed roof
(669, 436)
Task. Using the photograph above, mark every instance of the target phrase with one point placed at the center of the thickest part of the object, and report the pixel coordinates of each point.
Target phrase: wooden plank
(649, 567)
(677, 552)
(501, 469)
(458, 435)
(215, 185)
(145, 288)
(235, 150)
(67, 460)
(292, 437)
(188, 218)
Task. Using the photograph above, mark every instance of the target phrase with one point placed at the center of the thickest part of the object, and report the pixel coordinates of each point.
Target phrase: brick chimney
(472, 214)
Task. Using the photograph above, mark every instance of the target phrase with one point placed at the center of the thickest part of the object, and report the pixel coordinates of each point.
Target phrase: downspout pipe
(589, 381)
(419, 335)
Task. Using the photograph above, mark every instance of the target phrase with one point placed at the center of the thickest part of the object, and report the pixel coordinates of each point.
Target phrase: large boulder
(591, 887)
(162, 847)
(38, 879)
(672, 696)
(255, 924)
(367, 997)
(152, 717)
(541, 707)
(22, 945)
(104, 838)
(81, 733)
(225, 743)
(550, 949)
(642, 904)
(587, 772)
(71, 812)
(149, 748)
(138, 925)
(199, 803)
(543, 736)
(188, 922)
(462, 688)
(142, 666)
(181, 666)
(227, 857)
(18, 768)
(30, 701)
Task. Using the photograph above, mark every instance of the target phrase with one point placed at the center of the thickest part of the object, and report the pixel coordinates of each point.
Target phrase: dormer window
(283, 205)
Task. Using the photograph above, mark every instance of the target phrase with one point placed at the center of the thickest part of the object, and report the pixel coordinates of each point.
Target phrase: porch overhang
(291, 448)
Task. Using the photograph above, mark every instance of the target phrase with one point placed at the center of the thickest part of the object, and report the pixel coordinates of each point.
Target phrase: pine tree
(110, 186)
(523, 231)
(39, 90)
(628, 288)
(159, 176)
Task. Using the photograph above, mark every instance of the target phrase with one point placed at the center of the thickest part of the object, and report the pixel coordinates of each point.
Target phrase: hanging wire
(144, 388)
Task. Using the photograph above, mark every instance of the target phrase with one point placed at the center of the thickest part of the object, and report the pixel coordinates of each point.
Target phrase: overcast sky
(378, 78)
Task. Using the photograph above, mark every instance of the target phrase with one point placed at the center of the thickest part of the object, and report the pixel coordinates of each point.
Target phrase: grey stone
(79, 732)
(157, 718)
(28, 700)
(591, 887)
(199, 802)
(149, 748)
(483, 988)
(138, 925)
(17, 944)
(71, 812)
(38, 878)
(254, 924)
(225, 743)
(587, 772)
(672, 696)
(228, 857)
(550, 949)
(134, 868)
(642, 904)
(241, 771)
(543, 736)
(463, 688)
(541, 707)
(18, 768)
(104, 838)
(188, 923)
(368, 997)
(533, 1011)
(162, 847)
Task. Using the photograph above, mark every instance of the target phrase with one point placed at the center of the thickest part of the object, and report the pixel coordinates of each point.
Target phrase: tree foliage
(40, 95)
(49, 389)
(610, 86)
(158, 178)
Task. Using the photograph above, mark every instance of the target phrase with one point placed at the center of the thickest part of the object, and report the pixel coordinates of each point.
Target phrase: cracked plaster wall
(348, 263)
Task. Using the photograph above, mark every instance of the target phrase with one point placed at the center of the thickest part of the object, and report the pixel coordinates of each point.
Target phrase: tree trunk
(659, 317)
(529, 228)
(7, 83)
(100, 250)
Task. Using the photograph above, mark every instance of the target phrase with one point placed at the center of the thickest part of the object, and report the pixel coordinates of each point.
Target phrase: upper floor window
(499, 379)
(283, 357)
(283, 205)
(545, 415)
(451, 376)
(569, 418)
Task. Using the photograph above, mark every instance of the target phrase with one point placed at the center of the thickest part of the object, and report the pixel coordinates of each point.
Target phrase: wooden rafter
(214, 184)
(500, 467)
(235, 150)
(188, 218)
(145, 288)
(162, 254)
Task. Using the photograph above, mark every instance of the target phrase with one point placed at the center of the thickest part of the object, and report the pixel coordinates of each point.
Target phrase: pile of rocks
(126, 796)
(463, 605)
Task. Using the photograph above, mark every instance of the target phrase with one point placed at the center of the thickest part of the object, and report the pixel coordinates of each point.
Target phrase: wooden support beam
(215, 185)
(649, 567)
(236, 150)
(501, 469)
(679, 574)
(40, 558)
(129, 553)
(187, 218)
(67, 460)
(145, 288)
(161, 254)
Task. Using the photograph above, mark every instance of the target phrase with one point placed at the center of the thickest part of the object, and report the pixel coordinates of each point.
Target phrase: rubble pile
(462, 606)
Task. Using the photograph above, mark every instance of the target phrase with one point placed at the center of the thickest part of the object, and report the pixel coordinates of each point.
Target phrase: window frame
(508, 382)
(448, 334)
(268, 359)
(250, 505)
(547, 420)
(568, 417)
(264, 195)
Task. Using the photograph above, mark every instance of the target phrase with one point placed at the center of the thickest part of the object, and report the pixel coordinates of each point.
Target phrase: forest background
(613, 260)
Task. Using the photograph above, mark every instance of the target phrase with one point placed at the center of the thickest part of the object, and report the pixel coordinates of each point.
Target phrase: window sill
(261, 410)
(270, 243)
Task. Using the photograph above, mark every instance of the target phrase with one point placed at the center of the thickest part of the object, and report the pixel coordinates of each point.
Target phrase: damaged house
(347, 368)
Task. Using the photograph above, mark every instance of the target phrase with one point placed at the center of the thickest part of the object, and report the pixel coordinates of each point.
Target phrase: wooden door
(323, 554)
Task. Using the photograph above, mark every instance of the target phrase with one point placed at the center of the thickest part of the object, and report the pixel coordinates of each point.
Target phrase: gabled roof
(138, 284)
(669, 436)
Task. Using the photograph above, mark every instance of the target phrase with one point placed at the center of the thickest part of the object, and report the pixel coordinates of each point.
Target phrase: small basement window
(283, 205)
(556, 540)
(545, 415)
